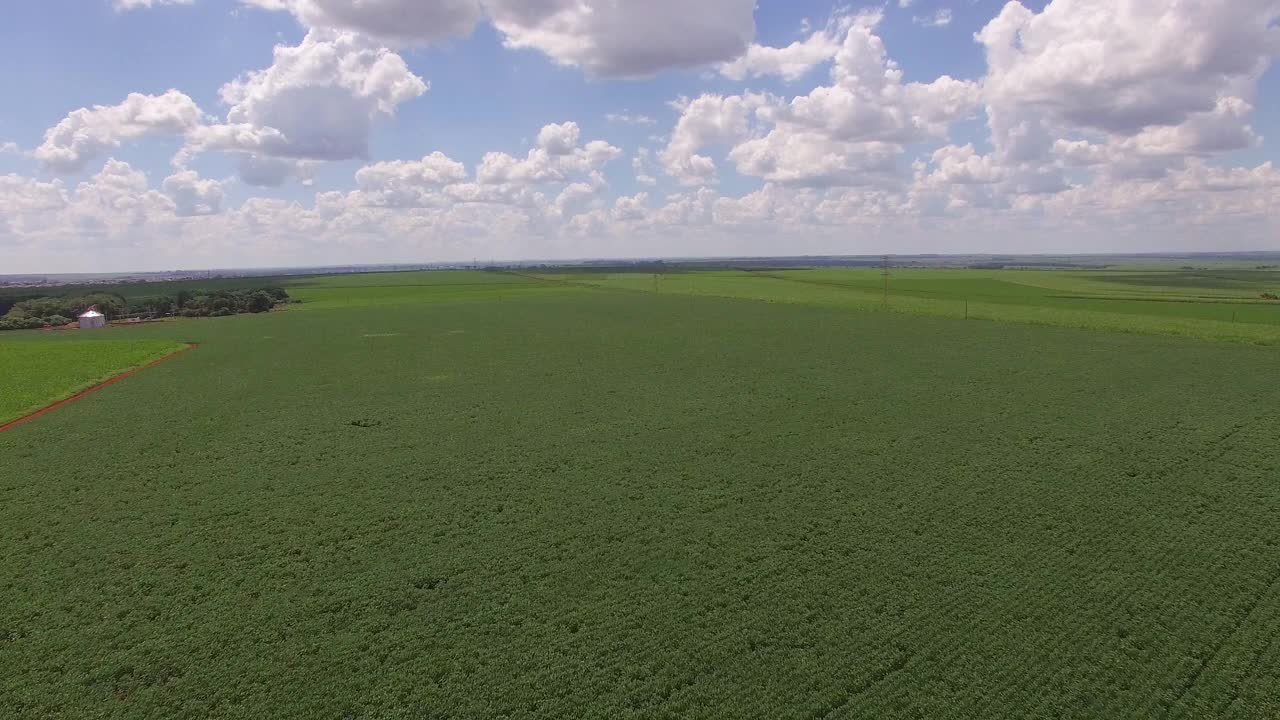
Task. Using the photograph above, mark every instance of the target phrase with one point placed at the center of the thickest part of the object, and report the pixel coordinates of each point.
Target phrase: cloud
(1155, 150)
(793, 61)
(317, 101)
(88, 134)
(962, 165)
(399, 22)
(116, 212)
(575, 198)
(433, 170)
(1199, 176)
(1121, 67)
(409, 183)
(1128, 91)
(794, 155)
(23, 195)
(606, 38)
(627, 118)
(1108, 125)
(115, 200)
(515, 194)
(126, 5)
(262, 171)
(709, 120)
(192, 195)
(868, 100)
(631, 208)
(851, 131)
(556, 158)
(559, 139)
(640, 165)
(939, 18)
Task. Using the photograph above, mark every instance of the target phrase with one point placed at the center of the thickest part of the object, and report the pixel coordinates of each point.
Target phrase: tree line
(36, 312)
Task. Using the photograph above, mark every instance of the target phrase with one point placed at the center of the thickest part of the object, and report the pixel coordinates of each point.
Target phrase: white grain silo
(91, 319)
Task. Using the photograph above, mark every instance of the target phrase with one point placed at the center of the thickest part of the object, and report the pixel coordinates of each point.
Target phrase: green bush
(9, 322)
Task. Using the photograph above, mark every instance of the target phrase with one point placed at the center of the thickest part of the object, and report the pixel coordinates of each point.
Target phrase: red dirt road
(110, 381)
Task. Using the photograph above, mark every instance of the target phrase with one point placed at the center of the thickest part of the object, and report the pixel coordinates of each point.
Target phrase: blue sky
(944, 125)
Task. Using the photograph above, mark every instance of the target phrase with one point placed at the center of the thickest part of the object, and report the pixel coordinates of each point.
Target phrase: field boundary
(94, 388)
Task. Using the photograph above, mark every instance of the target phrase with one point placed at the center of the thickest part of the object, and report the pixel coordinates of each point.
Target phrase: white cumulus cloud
(408, 183)
(793, 61)
(1166, 76)
(391, 21)
(710, 120)
(852, 131)
(606, 38)
(89, 133)
(317, 101)
(609, 38)
(193, 195)
(556, 158)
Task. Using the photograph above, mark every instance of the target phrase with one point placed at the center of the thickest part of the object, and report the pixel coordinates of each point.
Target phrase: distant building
(92, 319)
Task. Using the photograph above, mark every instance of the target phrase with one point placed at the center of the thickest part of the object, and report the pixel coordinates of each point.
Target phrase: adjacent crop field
(386, 290)
(36, 373)
(1226, 305)
(602, 504)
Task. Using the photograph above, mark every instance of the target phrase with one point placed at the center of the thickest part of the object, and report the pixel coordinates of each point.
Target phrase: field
(35, 374)
(1220, 304)
(466, 495)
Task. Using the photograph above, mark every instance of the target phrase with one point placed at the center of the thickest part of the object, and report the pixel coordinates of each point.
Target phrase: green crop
(34, 374)
(1169, 303)
(595, 503)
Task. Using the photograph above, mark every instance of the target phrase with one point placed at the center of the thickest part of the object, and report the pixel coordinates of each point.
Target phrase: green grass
(36, 372)
(595, 503)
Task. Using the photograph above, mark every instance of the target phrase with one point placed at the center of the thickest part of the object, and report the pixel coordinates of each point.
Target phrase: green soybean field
(567, 495)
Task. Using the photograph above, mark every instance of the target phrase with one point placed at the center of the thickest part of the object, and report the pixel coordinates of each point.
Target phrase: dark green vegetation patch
(590, 503)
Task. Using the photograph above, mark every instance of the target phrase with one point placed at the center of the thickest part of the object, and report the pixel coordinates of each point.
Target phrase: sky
(185, 134)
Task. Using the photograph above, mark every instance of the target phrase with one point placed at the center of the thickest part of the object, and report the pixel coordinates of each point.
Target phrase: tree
(109, 305)
(159, 305)
(259, 302)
